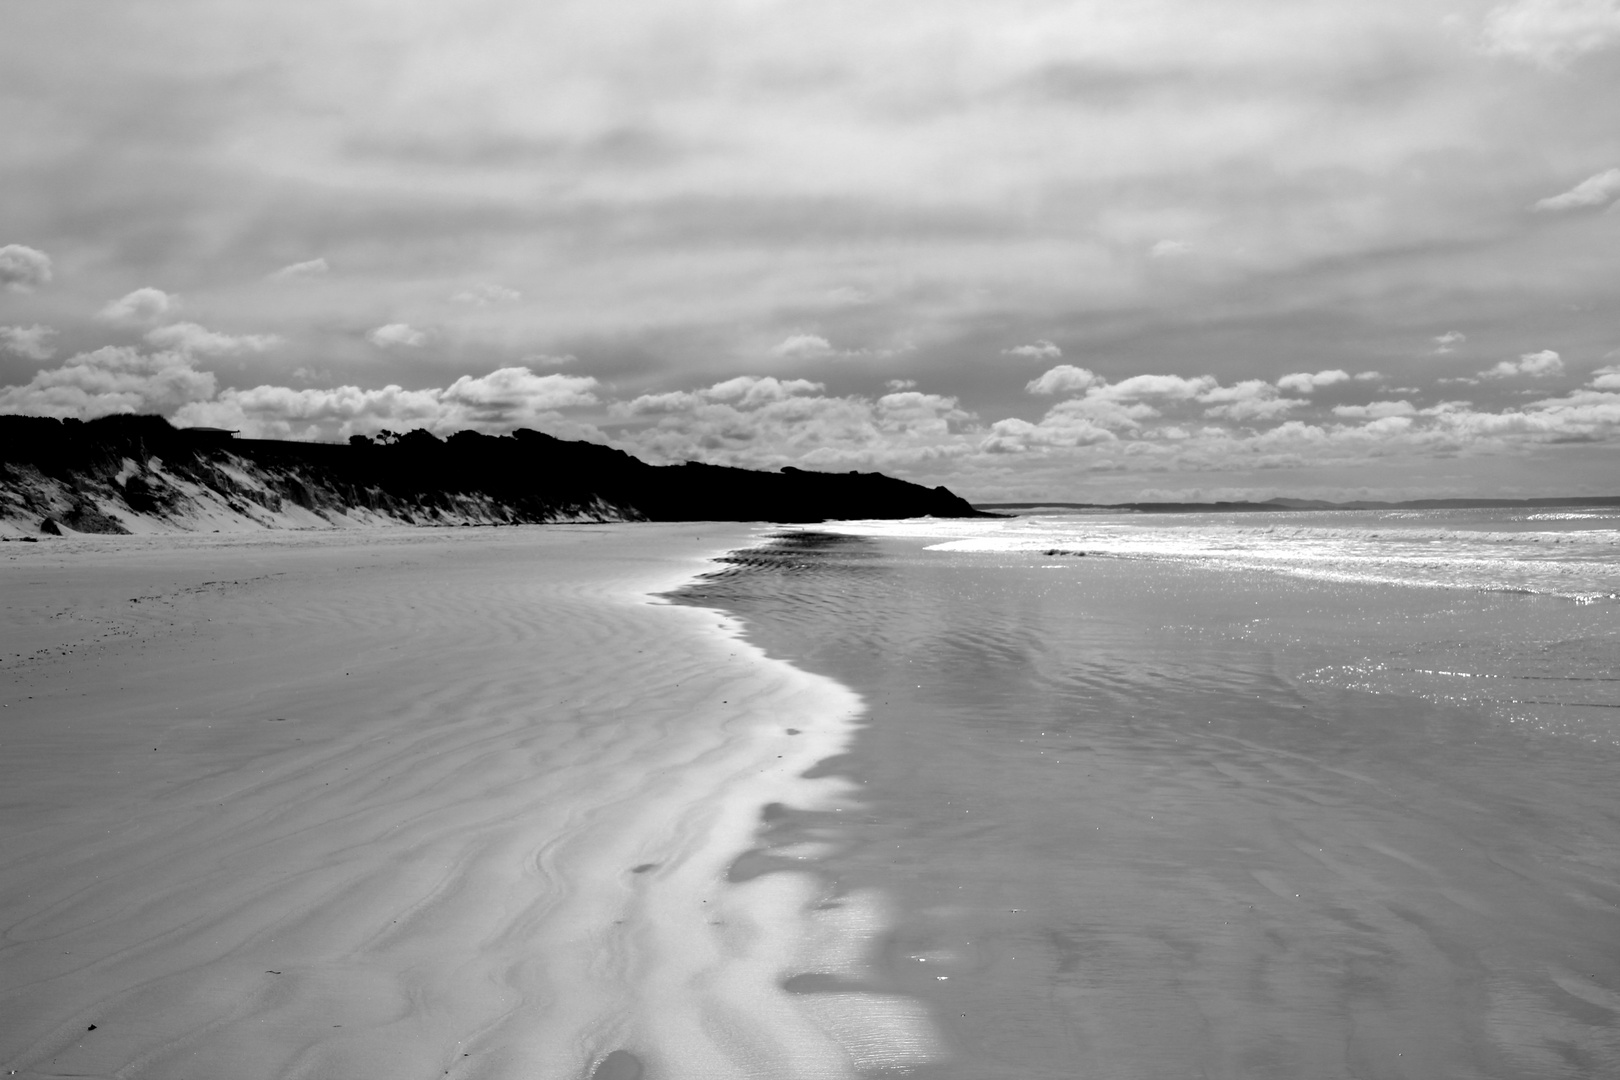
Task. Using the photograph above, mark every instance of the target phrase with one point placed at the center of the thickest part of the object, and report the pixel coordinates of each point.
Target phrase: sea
(1249, 795)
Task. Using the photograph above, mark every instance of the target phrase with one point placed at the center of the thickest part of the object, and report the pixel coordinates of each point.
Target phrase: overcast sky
(1026, 249)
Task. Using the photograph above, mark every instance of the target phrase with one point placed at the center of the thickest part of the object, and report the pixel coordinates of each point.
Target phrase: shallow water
(1150, 817)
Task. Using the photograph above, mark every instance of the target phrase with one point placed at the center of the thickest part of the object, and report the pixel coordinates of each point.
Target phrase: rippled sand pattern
(457, 804)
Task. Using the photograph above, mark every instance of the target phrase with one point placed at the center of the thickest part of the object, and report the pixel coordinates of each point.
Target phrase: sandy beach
(413, 804)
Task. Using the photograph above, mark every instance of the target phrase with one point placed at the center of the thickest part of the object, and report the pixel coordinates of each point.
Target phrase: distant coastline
(1299, 504)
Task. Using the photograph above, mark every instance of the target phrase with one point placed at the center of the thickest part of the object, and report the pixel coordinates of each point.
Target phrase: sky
(1027, 249)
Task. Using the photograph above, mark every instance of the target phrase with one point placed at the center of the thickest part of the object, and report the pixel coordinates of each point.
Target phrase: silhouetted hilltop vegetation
(124, 473)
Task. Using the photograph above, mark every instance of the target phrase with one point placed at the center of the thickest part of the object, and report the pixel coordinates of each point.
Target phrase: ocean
(1313, 794)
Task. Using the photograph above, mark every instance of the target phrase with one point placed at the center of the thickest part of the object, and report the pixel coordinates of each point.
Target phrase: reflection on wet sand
(1127, 838)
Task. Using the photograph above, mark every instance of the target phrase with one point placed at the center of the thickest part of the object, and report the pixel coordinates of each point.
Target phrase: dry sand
(412, 804)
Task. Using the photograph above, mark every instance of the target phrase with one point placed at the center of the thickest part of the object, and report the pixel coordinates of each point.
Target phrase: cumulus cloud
(1144, 387)
(167, 381)
(30, 341)
(1063, 379)
(498, 402)
(803, 347)
(146, 305)
(24, 269)
(487, 295)
(901, 384)
(1551, 32)
(764, 422)
(189, 337)
(1607, 378)
(1252, 399)
(1065, 426)
(1041, 350)
(1537, 365)
(1145, 423)
(397, 334)
(745, 391)
(298, 270)
(1593, 191)
(1448, 342)
(112, 379)
(1304, 382)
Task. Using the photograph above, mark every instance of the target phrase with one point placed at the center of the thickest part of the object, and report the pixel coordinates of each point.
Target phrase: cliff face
(139, 474)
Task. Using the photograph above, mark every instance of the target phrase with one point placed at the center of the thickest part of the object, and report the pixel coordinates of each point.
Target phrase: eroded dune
(438, 803)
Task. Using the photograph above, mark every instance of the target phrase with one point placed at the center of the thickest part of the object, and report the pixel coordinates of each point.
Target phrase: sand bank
(394, 804)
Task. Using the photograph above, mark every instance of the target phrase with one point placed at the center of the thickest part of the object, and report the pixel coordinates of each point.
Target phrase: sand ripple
(434, 805)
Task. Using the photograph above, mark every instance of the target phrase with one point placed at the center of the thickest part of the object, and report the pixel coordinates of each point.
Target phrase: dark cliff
(141, 474)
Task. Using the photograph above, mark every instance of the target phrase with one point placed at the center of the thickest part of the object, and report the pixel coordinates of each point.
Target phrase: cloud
(1448, 341)
(901, 384)
(487, 295)
(1376, 410)
(1370, 376)
(1537, 365)
(123, 379)
(112, 379)
(189, 337)
(744, 391)
(499, 402)
(1041, 350)
(1143, 387)
(1062, 427)
(397, 334)
(145, 305)
(803, 347)
(764, 422)
(1593, 191)
(1606, 378)
(30, 341)
(296, 271)
(1252, 399)
(1306, 383)
(24, 269)
(1169, 249)
(1063, 379)
(1551, 32)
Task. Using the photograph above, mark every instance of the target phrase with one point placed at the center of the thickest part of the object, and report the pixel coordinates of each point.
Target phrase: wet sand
(1127, 833)
(413, 804)
(472, 803)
